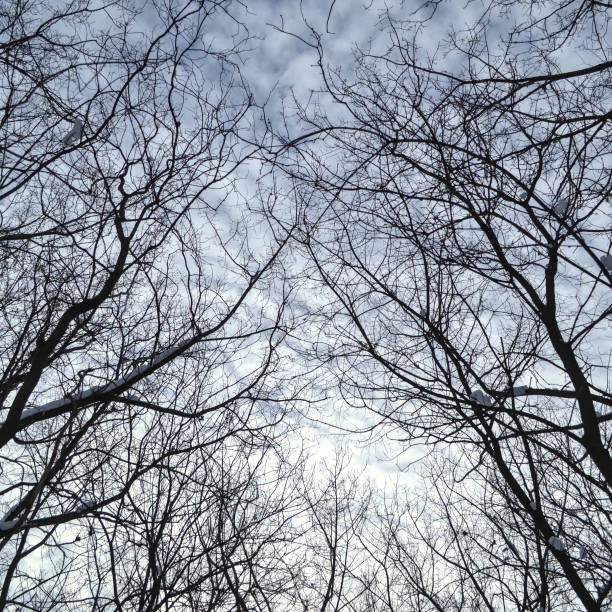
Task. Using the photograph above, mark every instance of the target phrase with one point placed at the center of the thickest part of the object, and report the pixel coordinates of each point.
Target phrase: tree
(457, 211)
(454, 220)
(140, 380)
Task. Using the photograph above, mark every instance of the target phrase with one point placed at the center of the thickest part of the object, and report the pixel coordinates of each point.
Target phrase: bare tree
(140, 378)
(457, 210)
(458, 220)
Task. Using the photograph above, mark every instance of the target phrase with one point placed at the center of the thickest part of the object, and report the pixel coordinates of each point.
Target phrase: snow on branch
(561, 206)
(85, 505)
(173, 350)
(480, 398)
(12, 510)
(137, 373)
(74, 134)
(557, 543)
(6, 525)
(606, 260)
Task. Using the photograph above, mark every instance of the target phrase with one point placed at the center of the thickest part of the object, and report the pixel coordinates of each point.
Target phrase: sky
(277, 64)
(284, 62)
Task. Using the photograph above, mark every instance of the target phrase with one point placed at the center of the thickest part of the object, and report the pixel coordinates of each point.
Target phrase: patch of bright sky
(284, 64)
(280, 66)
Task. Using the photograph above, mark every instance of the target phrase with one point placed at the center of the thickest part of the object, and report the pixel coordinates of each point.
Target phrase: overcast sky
(282, 61)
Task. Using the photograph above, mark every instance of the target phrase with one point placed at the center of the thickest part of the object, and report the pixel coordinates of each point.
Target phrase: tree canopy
(193, 280)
